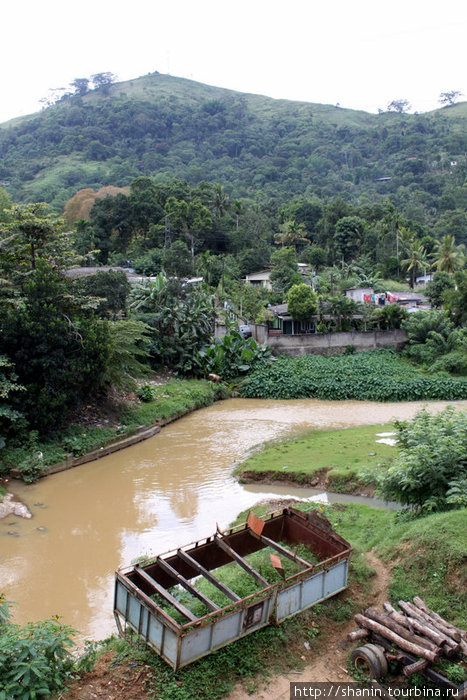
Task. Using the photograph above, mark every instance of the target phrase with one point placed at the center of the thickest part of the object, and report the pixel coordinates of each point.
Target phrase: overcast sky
(359, 53)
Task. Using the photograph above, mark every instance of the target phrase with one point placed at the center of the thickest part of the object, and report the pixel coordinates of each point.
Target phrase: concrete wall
(259, 331)
(335, 343)
(323, 343)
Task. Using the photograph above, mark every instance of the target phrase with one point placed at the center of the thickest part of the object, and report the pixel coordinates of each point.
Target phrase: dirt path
(328, 662)
(109, 680)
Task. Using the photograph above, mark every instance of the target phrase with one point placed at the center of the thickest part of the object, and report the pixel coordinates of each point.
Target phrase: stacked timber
(415, 629)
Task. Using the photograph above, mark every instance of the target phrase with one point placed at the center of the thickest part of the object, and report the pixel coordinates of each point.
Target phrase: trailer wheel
(379, 653)
(365, 660)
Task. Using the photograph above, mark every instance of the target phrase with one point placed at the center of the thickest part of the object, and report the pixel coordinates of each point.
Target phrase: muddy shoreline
(318, 480)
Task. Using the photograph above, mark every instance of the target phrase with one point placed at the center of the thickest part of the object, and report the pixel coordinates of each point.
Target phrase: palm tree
(448, 256)
(219, 200)
(291, 233)
(404, 240)
(416, 260)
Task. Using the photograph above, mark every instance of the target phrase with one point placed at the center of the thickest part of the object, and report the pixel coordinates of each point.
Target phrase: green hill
(168, 127)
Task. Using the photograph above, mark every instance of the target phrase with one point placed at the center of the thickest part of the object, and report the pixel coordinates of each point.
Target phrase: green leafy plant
(35, 660)
(379, 375)
(430, 471)
(231, 356)
(146, 392)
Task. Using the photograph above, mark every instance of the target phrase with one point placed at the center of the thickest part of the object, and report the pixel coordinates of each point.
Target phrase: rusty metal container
(147, 592)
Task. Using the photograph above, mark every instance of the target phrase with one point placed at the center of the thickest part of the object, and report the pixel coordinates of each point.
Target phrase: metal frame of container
(181, 644)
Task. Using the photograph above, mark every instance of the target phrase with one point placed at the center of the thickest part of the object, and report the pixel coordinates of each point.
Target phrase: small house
(259, 279)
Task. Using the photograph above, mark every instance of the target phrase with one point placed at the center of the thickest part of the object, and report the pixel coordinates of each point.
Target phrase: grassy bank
(33, 454)
(427, 557)
(343, 460)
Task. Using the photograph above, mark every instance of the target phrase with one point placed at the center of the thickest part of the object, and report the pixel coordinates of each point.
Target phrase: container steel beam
(165, 594)
(240, 560)
(186, 584)
(282, 550)
(208, 575)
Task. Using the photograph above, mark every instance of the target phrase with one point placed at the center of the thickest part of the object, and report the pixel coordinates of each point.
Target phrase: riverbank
(102, 430)
(343, 461)
(171, 488)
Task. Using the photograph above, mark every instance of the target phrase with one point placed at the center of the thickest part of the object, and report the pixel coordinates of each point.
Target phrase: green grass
(429, 557)
(395, 286)
(173, 399)
(351, 456)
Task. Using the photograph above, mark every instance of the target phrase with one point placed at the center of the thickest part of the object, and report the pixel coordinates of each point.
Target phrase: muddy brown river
(146, 499)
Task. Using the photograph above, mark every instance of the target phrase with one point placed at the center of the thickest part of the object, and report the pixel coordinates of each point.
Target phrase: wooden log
(415, 649)
(417, 667)
(447, 645)
(427, 630)
(402, 620)
(414, 612)
(420, 604)
(387, 621)
(357, 634)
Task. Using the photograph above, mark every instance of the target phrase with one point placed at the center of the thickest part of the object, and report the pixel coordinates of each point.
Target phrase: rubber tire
(379, 653)
(365, 659)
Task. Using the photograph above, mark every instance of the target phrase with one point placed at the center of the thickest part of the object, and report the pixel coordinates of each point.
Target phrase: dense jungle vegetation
(166, 127)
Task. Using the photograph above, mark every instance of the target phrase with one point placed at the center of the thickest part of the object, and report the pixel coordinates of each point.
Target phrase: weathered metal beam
(208, 575)
(186, 584)
(282, 550)
(165, 594)
(240, 560)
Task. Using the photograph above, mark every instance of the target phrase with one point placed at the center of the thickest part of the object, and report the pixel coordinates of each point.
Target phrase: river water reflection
(154, 496)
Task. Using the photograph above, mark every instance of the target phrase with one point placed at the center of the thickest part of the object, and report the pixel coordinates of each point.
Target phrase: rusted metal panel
(255, 524)
(183, 643)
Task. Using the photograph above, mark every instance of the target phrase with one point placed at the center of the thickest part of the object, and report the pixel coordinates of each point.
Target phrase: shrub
(35, 660)
(435, 343)
(430, 471)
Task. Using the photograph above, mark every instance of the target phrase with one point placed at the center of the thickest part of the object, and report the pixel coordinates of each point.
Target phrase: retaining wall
(322, 343)
(335, 343)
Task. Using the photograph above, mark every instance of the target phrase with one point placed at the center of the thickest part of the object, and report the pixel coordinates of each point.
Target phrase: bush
(35, 660)
(435, 343)
(430, 471)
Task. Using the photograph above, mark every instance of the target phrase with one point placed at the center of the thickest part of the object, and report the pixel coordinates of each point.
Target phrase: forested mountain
(256, 147)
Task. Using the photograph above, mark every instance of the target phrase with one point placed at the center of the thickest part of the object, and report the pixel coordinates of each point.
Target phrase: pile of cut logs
(416, 630)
